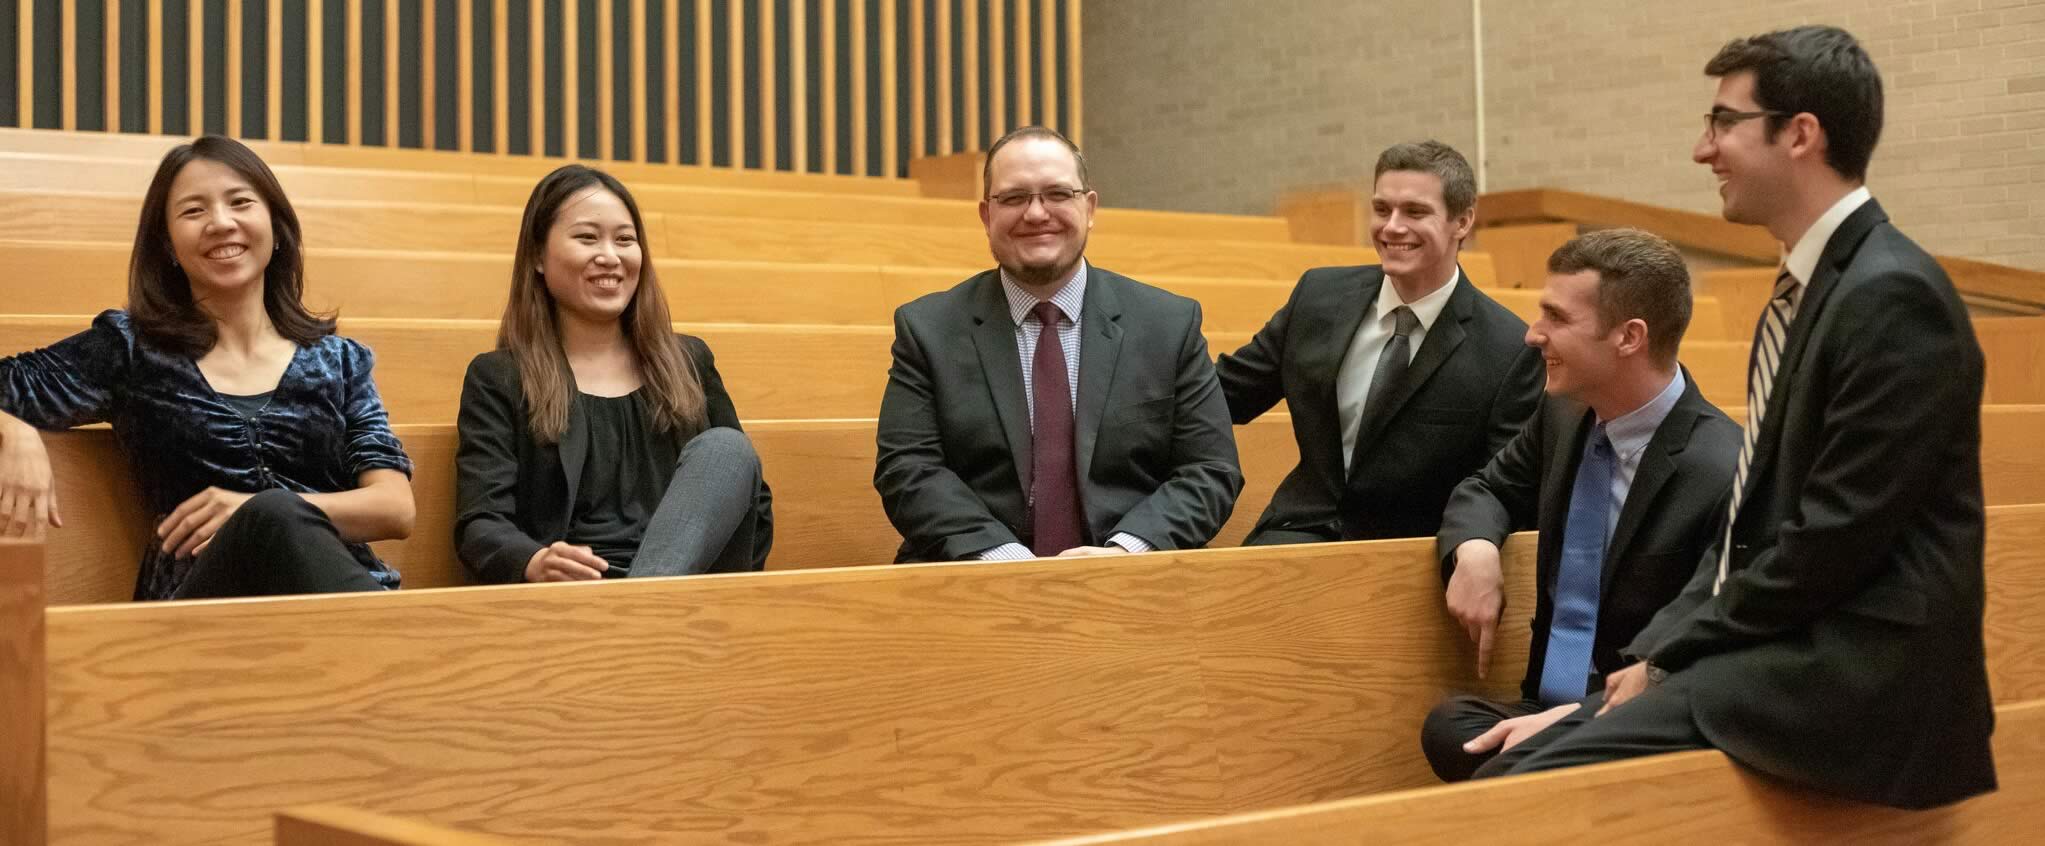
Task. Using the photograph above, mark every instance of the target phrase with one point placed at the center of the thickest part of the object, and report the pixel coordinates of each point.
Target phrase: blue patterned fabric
(323, 427)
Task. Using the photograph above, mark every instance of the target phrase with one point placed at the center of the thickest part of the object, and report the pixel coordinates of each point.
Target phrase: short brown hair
(1458, 181)
(1025, 132)
(1640, 275)
(1821, 70)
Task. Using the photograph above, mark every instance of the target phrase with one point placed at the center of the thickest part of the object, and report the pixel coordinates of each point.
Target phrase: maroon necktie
(1055, 519)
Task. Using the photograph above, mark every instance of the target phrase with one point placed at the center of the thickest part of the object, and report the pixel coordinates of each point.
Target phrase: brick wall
(1589, 95)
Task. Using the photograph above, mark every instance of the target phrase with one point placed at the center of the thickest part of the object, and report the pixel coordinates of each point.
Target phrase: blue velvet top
(323, 427)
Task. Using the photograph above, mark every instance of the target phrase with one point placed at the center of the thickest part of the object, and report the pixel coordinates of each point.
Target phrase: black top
(515, 494)
(620, 491)
(249, 405)
(323, 427)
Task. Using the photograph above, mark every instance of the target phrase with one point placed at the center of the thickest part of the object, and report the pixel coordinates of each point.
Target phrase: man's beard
(1041, 274)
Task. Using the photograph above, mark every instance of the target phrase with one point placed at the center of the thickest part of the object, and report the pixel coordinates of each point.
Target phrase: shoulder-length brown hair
(531, 332)
(160, 295)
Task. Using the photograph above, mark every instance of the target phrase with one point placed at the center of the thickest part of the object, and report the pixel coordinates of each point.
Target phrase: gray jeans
(706, 521)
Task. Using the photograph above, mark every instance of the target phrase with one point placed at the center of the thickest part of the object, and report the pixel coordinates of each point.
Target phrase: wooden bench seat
(772, 371)
(474, 286)
(1688, 797)
(130, 177)
(940, 702)
(406, 227)
(826, 511)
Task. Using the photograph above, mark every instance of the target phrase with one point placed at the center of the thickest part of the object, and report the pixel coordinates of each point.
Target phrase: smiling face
(1410, 225)
(1582, 354)
(592, 256)
(1038, 242)
(220, 229)
(1754, 172)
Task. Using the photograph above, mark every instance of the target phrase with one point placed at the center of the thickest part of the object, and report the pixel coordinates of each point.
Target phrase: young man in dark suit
(1624, 469)
(1401, 377)
(1048, 407)
(1832, 636)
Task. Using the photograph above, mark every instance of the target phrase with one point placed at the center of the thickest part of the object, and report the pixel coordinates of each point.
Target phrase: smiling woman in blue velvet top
(255, 433)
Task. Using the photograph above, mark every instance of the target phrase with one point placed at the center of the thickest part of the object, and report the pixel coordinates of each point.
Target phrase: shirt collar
(1068, 299)
(1630, 432)
(1427, 308)
(1802, 261)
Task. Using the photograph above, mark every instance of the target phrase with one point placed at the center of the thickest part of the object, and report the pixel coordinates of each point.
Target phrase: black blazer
(1845, 650)
(514, 495)
(1473, 383)
(1673, 511)
(1156, 456)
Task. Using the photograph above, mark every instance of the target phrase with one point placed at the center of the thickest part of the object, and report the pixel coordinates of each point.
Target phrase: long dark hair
(529, 329)
(160, 295)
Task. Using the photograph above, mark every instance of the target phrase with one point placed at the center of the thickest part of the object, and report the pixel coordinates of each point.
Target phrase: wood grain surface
(332, 825)
(771, 370)
(1685, 797)
(23, 778)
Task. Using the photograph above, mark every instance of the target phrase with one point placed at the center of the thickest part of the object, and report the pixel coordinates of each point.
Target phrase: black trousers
(276, 543)
(1455, 722)
(1658, 720)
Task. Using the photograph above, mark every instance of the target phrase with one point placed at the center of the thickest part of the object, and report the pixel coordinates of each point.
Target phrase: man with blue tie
(1831, 638)
(1624, 468)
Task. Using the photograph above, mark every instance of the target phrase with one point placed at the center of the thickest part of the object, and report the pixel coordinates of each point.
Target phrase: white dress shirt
(1360, 362)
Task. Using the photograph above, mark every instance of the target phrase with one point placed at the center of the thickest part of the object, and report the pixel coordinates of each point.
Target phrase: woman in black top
(255, 432)
(596, 442)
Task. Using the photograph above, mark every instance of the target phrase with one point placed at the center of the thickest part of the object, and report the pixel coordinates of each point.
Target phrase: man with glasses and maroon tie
(1831, 637)
(1048, 407)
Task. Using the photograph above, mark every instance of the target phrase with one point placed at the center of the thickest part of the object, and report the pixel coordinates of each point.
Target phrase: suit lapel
(1564, 448)
(574, 447)
(1100, 347)
(994, 337)
(1344, 316)
(1838, 251)
(1441, 342)
(1657, 467)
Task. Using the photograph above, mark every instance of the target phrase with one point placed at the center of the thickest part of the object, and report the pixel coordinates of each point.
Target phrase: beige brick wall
(1214, 105)
(1591, 95)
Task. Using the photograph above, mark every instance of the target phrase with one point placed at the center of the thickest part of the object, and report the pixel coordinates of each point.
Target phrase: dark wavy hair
(160, 295)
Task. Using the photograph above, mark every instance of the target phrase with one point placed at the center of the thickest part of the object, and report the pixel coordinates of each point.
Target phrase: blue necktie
(1566, 671)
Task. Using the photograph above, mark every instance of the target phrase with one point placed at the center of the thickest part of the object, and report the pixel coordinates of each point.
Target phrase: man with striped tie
(1832, 637)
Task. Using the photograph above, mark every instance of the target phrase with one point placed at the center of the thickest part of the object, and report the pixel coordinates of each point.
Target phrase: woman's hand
(561, 561)
(188, 529)
(28, 489)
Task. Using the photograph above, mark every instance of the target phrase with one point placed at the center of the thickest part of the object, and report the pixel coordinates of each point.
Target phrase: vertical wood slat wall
(835, 86)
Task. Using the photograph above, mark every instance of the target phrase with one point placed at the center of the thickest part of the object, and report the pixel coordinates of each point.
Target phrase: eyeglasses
(1052, 197)
(1723, 121)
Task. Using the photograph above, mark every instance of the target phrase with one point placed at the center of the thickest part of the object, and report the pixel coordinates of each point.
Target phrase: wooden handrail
(2001, 285)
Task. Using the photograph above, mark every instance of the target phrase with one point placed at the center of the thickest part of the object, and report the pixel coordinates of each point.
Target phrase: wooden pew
(409, 227)
(385, 284)
(152, 147)
(946, 702)
(826, 511)
(772, 371)
(2015, 347)
(1688, 797)
(330, 825)
(129, 177)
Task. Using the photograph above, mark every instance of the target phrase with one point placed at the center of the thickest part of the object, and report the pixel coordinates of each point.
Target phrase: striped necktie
(1769, 338)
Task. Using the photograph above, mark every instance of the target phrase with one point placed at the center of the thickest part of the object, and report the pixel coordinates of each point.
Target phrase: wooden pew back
(771, 370)
(384, 284)
(1687, 797)
(331, 825)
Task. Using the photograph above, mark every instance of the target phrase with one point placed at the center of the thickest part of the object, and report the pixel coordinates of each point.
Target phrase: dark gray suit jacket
(1472, 384)
(1845, 650)
(1151, 436)
(1672, 513)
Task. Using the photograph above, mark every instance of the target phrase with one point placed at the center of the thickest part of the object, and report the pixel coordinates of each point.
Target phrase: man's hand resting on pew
(561, 561)
(28, 489)
(1508, 733)
(1476, 595)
